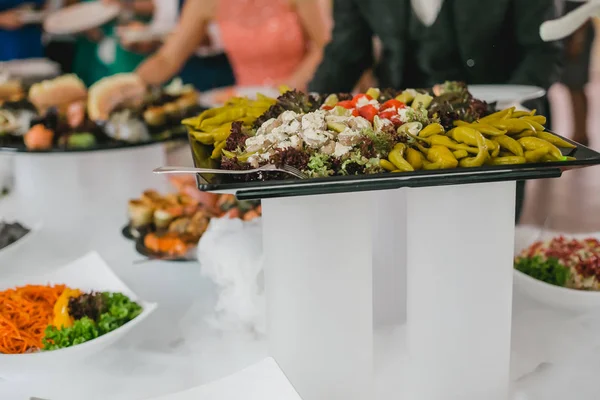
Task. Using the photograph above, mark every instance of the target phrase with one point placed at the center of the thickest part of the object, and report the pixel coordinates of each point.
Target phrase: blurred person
(139, 12)
(98, 53)
(268, 42)
(18, 40)
(577, 72)
(428, 42)
(208, 68)
(59, 48)
(476, 42)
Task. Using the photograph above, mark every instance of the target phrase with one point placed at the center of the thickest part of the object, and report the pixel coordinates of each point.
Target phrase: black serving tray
(102, 146)
(384, 181)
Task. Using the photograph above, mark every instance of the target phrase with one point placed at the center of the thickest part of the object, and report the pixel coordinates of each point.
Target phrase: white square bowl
(578, 301)
(88, 273)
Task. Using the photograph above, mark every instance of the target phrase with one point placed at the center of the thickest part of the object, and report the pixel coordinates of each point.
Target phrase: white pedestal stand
(335, 269)
(53, 184)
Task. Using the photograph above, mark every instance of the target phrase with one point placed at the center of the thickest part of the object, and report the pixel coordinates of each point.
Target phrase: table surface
(176, 349)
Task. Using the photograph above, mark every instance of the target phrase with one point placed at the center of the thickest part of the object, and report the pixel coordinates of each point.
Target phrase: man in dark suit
(475, 41)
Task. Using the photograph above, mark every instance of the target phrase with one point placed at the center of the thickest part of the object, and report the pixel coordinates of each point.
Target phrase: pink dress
(263, 39)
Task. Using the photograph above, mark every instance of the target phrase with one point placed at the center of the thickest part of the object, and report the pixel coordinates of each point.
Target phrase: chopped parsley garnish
(548, 270)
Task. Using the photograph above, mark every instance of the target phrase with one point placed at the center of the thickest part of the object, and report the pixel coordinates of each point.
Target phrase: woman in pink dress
(268, 42)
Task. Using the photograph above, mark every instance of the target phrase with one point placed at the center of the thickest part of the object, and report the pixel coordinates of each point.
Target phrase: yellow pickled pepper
(510, 144)
(414, 158)
(440, 157)
(480, 158)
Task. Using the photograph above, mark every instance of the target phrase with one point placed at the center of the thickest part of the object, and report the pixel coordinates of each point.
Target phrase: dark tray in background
(384, 181)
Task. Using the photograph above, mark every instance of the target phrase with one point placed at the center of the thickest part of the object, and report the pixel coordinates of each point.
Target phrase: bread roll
(111, 92)
(58, 92)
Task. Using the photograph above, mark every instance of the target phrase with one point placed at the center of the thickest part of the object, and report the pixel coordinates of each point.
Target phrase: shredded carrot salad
(25, 312)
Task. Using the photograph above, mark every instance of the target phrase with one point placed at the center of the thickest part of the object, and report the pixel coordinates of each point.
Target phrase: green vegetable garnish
(319, 164)
(546, 270)
(118, 309)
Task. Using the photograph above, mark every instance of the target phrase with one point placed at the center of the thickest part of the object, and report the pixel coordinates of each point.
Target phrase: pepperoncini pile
(213, 126)
(504, 138)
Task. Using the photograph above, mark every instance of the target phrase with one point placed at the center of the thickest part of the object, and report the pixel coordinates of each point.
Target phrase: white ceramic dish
(214, 98)
(88, 273)
(33, 230)
(32, 17)
(30, 68)
(555, 296)
(506, 94)
(80, 17)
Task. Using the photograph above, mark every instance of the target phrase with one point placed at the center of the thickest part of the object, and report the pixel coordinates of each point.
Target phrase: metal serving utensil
(269, 167)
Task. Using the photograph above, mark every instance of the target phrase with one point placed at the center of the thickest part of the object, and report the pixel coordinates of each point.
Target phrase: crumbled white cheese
(313, 137)
(406, 114)
(288, 116)
(359, 123)
(255, 143)
(364, 101)
(315, 121)
(349, 137)
(296, 141)
(341, 150)
(337, 119)
(328, 148)
(267, 126)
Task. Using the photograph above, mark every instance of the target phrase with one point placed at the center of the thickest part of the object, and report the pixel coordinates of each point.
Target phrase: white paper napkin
(261, 381)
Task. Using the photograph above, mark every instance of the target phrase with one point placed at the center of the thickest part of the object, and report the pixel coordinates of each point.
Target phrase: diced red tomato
(388, 114)
(360, 96)
(355, 112)
(396, 120)
(326, 107)
(368, 112)
(393, 103)
(348, 104)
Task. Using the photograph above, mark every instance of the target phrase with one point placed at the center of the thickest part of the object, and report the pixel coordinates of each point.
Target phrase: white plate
(80, 17)
(555, 296)
(89, 273)
(214, 98)
(506, 94)
(31, 68)
(32, 16)
(32, 232)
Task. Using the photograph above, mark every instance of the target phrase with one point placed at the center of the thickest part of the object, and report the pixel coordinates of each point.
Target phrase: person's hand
(576, 42)
(11, 19)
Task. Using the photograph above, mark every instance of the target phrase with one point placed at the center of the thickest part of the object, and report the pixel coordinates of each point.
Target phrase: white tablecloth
(175, 349)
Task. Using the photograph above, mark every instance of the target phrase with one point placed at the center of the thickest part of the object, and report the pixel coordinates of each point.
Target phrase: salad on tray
(570, 263)
(373, 132)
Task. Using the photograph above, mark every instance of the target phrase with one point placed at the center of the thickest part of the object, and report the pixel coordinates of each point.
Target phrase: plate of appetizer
(62, 115)
(53, 320)
(169, 227)
(381, 139)
(562, 271)
(14, 234)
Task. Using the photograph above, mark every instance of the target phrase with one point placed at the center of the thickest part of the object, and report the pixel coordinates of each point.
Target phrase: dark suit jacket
(498, 41)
